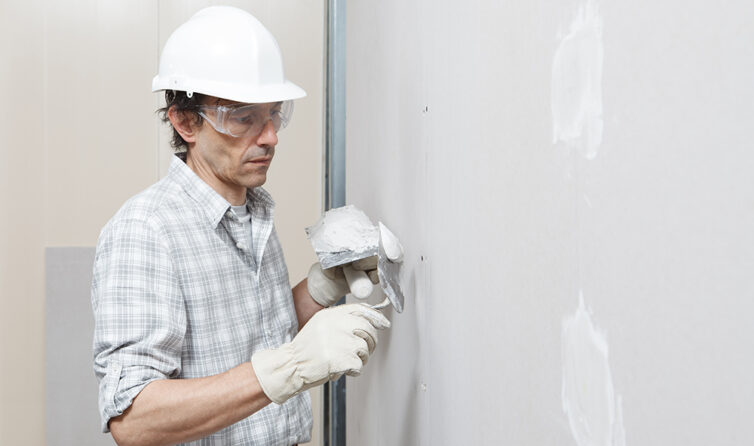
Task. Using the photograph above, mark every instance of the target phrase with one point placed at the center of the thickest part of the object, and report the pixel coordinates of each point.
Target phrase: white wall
(80, 136)
(527, 153)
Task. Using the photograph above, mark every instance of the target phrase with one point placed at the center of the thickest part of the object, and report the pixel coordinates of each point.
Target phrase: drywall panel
(71, 413)
(572, 183)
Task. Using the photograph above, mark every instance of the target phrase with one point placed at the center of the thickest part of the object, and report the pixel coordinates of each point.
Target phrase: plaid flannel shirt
(177, 294)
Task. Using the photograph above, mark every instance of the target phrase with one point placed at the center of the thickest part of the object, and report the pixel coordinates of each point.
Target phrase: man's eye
(244, 119)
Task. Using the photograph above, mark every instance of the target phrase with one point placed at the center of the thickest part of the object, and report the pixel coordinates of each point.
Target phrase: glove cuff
(322, 299)
(276, 373)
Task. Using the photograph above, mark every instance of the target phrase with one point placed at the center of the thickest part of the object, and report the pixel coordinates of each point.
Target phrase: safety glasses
(247, 120)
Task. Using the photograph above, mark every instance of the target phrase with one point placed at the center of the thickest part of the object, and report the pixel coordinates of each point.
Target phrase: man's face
(234, 162)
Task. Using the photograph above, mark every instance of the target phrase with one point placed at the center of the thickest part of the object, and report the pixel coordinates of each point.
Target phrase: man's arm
(306, 307)
(173, 411)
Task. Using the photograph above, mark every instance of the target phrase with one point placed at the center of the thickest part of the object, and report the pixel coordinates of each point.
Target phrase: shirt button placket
(263, 307)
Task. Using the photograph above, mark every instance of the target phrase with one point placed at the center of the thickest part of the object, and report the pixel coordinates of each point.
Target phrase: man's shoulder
(152, 204)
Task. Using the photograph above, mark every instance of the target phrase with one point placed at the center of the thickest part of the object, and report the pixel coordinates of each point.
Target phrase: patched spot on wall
(576, 95)
(594, 411)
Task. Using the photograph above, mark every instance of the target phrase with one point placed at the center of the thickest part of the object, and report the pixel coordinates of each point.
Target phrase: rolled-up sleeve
(139, 312)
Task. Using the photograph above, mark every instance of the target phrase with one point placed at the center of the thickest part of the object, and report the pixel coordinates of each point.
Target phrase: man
(196, 326)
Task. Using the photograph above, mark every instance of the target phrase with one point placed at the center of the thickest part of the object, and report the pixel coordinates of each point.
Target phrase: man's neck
(234, 194)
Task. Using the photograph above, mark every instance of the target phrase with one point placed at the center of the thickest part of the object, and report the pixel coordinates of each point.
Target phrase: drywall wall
(82, 136)
(573, 185)
(70, 386)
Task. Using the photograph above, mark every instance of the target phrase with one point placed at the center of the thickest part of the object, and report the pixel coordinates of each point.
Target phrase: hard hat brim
(240, 93)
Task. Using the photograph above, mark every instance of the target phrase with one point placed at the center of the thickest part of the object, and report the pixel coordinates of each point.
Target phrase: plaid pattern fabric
(178, 294)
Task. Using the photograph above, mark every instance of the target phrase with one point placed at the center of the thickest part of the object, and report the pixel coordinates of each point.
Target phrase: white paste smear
(594, 413)
(577, 84)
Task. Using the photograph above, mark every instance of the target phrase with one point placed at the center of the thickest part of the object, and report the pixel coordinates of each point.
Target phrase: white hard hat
(225, 52)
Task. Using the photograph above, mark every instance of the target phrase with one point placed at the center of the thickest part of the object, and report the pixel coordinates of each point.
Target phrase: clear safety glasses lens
(247, 119)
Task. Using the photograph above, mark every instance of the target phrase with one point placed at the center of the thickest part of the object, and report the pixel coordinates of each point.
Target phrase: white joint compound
(577, 84)
(594, 412)
(344, 229)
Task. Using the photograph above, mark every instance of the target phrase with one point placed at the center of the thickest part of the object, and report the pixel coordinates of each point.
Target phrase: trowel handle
(358, 281)
(384, 304)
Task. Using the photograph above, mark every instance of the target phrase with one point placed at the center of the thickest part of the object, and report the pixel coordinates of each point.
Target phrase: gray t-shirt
(242, 212)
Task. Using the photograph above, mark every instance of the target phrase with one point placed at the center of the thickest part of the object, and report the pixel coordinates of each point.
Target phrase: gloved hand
(335, 341)
(327, 286)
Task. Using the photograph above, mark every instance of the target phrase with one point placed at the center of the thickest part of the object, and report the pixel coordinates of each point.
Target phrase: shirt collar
(214, 205)
(258, 197)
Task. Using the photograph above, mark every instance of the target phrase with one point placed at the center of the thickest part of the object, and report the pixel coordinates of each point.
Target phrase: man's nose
(268, 137)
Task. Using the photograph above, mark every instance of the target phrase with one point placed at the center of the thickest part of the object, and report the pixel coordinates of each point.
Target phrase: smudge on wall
(576, 90)
(594, 412)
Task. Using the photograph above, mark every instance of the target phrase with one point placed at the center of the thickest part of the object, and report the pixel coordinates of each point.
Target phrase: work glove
(327, 286)
(335, 341)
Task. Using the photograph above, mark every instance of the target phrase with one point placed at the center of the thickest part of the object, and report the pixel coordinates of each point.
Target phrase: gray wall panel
(529, 154)
(72, 417)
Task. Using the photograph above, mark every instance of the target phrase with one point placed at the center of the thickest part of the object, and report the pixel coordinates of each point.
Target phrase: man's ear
(184, 123)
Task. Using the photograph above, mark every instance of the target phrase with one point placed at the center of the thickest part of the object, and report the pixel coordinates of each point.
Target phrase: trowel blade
(389, 273)
(332, 259)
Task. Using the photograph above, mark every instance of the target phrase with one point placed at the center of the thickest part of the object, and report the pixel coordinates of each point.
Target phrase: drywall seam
(594, 412)
(576, 89)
